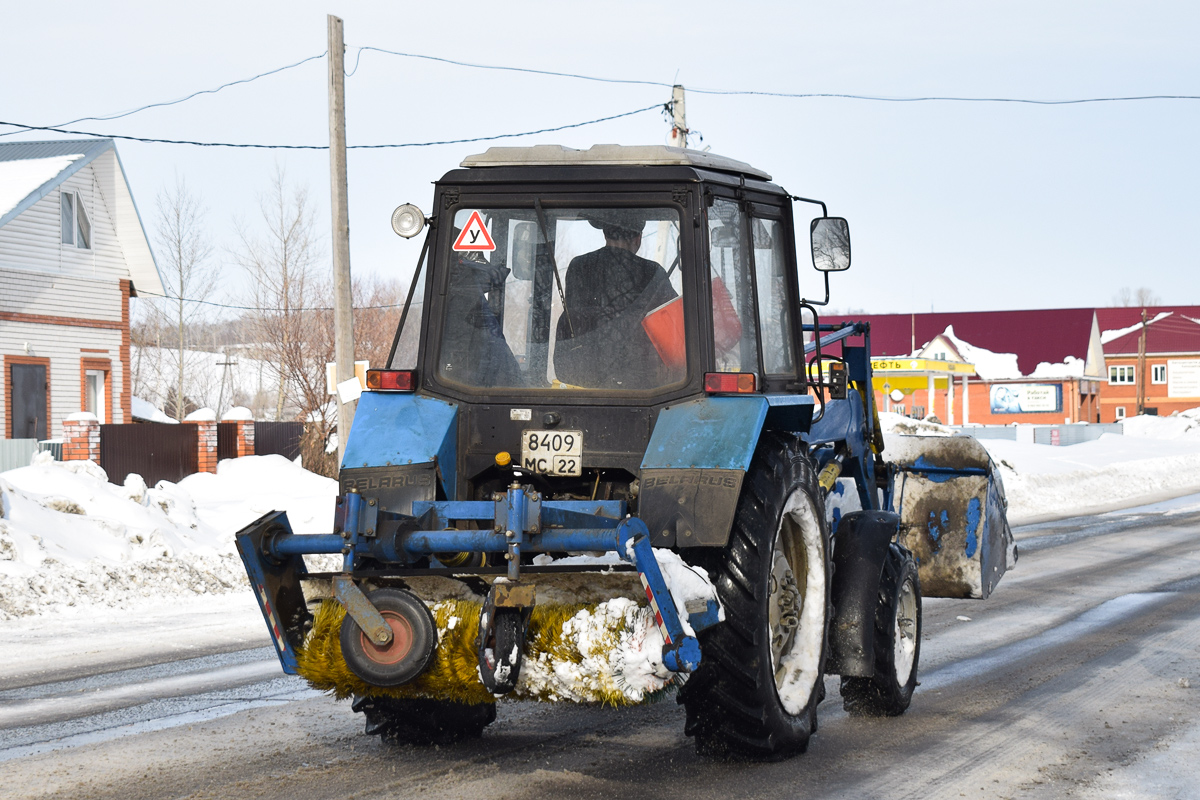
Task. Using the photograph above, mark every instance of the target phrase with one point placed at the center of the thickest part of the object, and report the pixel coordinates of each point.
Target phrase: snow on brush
(68, 537)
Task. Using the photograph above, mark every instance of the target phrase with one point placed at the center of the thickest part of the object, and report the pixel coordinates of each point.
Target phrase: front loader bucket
(953, 513)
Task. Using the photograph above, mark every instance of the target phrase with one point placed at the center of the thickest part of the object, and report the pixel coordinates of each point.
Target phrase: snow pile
(69, 537)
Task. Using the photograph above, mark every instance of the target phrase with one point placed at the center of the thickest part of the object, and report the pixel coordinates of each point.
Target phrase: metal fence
(155, 451)
(278, 438)
(226, 440)
(16, 453)
(1062, 435)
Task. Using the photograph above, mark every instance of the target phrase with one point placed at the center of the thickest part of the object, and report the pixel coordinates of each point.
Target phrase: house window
(1120, 412)
(76, 227)
(1158, 373)
(94, 393)
(1122, 374)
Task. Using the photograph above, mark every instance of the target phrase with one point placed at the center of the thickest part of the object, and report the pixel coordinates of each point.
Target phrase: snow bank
(69, 537)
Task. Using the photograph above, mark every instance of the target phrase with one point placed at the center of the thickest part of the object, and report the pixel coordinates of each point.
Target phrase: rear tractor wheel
(756, 691)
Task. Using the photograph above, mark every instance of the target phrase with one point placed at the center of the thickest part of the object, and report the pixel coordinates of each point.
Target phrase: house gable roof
(1169, 329)
(70, 156)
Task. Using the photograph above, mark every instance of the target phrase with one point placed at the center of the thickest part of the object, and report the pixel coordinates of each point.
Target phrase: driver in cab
(601, 341)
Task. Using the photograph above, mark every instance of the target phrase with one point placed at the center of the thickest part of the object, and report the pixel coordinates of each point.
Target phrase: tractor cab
(583, 291)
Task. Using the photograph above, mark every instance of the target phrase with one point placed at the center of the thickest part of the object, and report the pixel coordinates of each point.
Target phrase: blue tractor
(614, 455)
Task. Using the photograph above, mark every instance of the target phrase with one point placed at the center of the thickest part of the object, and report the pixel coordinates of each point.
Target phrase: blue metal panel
(790, 412)
(842, 421)
(708, 433)
(399, 428)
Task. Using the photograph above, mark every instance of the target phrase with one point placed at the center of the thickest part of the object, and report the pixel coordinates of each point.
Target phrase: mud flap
(953, 513)
(276, 584)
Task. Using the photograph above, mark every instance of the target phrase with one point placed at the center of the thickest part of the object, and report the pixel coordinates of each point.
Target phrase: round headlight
(407, 221)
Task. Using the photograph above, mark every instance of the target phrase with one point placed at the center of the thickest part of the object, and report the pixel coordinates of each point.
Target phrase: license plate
(552, 452)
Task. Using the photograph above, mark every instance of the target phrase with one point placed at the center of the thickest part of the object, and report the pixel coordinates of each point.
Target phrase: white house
(72, 252)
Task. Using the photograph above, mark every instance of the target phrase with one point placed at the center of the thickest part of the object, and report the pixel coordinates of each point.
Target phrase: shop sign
(1183, 377)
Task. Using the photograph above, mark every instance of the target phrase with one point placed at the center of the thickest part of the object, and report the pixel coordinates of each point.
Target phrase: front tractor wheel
(756, 692)
(897, 643)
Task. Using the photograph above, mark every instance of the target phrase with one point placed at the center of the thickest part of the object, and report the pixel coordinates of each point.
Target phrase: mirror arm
(824, 302)
(824, 211)
(408, 300)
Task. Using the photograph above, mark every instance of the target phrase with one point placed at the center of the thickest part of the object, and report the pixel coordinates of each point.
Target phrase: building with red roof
(1042, 366)
(1170, 373)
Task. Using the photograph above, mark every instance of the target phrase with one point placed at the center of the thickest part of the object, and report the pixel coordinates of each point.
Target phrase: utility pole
(343, 320)
(679, 128)
(1141, 368)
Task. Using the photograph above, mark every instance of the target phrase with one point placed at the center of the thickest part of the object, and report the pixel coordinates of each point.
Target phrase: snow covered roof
(1042, 343)
(1169, 329)
(31, 170)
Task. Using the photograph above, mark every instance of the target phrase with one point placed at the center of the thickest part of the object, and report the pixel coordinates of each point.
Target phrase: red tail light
(729, 382)
(391, 380)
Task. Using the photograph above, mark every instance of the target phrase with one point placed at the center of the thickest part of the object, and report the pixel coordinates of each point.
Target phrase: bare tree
(1139, 298)
(184, 248)
(281, 262)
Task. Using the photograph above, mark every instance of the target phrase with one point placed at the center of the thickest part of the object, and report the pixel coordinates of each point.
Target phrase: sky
(952, 206)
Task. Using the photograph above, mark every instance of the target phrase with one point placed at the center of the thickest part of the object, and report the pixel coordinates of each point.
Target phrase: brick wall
(81, 439)
(206, 444)
(245, 437)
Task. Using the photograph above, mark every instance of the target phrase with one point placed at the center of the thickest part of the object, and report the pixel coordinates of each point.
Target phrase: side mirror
(830, 244)
(524, 250)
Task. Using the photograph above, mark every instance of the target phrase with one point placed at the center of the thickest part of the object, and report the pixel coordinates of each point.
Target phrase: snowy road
(1080, 677)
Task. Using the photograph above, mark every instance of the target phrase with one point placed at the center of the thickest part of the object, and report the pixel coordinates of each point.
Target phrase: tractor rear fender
(399, 430)
(859, 548)
(699, 451)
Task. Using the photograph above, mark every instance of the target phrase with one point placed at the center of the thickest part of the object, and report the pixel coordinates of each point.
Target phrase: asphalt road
(1080, 677)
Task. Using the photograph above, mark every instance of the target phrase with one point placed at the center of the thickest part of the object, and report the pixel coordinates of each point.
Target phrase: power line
(260, 308)
(183, 99)
(513, 69)
(801, 95)
(325, 146)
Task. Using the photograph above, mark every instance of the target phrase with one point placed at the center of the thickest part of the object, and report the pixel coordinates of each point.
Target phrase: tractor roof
(555, 155)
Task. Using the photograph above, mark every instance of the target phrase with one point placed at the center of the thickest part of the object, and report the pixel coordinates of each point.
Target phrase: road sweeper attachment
(605, 474)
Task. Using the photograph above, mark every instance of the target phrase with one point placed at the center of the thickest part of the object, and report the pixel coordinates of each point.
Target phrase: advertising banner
(1026, 398)
(1183, 377)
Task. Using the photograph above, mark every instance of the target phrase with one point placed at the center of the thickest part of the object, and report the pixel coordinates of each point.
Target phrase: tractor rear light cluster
(391, 380)
(729, 382)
